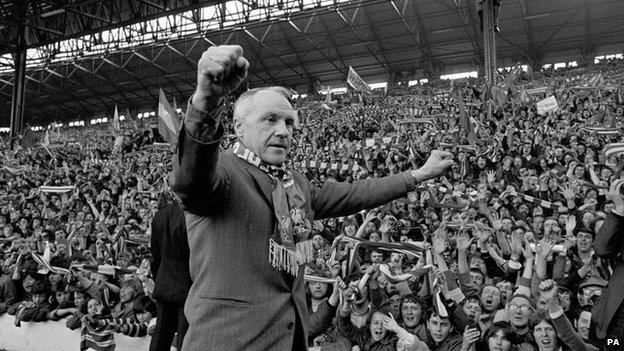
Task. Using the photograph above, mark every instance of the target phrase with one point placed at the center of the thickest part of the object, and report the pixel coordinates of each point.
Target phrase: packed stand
(499, 254)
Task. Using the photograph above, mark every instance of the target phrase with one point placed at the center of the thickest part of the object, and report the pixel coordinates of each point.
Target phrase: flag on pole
(129, 117)
(356, 82)
(168, 122)
(116, 124)
(29, 139)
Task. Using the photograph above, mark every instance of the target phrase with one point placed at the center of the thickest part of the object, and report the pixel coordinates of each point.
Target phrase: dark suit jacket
(609, 243)
(238, 301)
(170, 255)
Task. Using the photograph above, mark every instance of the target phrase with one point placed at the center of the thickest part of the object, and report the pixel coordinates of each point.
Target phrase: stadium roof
(85, 56)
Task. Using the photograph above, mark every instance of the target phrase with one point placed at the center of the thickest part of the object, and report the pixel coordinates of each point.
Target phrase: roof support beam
(360, 37)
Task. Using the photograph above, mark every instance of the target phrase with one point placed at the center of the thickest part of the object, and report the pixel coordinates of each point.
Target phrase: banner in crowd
(549, 104)
(587, 80)
(356, 82)
(168, 121)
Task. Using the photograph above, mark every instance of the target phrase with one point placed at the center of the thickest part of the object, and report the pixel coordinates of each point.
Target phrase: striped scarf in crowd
(289, 246)
(98, 337)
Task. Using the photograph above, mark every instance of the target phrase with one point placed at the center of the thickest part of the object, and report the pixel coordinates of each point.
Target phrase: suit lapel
(262, 180)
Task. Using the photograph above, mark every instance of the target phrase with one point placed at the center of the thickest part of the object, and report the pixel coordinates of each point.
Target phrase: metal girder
(375, 37)
(192, 64)
(304, 34)
(158, 67)
(559, 27)
(265, 47)
(290, 45)
(467, 18)
(132, 74)
(359, 36)
(423, 44)
(525, 22)
(106, 81)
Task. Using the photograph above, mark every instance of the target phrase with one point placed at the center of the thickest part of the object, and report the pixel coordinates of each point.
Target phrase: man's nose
(282, 129)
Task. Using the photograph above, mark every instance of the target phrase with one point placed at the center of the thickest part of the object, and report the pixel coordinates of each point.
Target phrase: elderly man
(249, 219)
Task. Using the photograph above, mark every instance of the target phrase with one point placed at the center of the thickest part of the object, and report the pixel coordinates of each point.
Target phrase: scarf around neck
(289, 245)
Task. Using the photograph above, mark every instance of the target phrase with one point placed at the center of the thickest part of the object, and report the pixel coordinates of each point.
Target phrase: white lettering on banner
(356, 82)
(549, 104)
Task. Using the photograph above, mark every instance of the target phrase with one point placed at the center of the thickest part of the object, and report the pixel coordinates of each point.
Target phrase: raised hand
(464, 242)
(491, 176)
(615, 195)
(391, 324)
(516, 245)
(439, 242)
(437, 163)
(471, 335)
(545, 246)
(548, 290)
(220, 70)
(567, 192)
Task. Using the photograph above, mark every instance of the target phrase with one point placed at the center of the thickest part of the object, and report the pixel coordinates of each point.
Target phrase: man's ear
(238, 127)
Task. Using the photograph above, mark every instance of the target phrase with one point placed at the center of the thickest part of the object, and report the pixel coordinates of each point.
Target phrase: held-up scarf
(289, 246)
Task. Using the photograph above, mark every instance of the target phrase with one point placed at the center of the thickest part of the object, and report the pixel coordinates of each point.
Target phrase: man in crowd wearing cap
(249, 218)
(608, 311)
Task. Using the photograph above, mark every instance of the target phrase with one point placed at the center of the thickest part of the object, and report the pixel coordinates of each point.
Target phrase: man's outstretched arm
(341, 199)
(220, 70)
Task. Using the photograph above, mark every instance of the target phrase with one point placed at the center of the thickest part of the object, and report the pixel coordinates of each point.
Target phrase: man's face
(439, 328)
(545, 336)
(472, 309)
(582, 325)
(411, 313)
(584, 242)
(376, 257)
(477, 279)
(519, 312)
(266, 125)
(126, 293)
(318, 290)
(490, 298)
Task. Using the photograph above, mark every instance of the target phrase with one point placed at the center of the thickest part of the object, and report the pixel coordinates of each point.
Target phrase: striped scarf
(289, 246)
(534, 200)
(98, 337)
(613, 149)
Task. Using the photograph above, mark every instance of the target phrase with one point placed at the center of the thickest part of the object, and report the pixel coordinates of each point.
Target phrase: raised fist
(548, 290)
(220, 70)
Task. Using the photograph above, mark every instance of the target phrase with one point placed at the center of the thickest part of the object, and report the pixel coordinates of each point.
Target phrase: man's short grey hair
(241, 101)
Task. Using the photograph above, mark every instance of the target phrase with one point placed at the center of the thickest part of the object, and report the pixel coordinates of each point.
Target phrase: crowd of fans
(505, 257)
